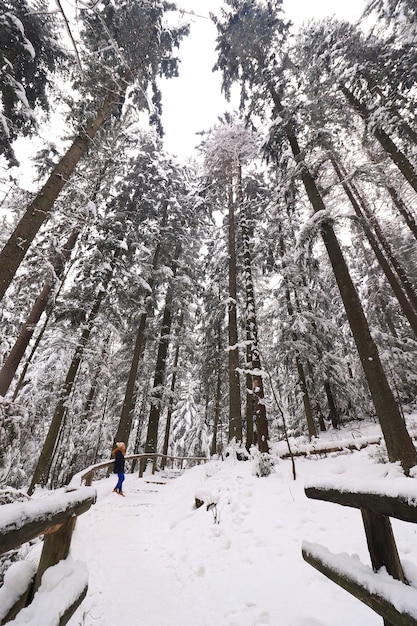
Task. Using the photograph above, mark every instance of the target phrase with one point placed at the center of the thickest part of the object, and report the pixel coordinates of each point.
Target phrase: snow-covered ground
(155, 560)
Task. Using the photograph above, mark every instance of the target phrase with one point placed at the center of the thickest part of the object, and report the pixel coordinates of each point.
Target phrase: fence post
(56, 547)
(382, 547)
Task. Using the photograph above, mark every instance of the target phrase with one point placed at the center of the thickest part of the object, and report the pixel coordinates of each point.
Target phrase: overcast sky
(193, 102)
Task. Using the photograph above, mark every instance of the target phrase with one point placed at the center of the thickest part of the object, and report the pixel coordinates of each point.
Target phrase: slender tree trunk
(403, 210)
(396, 155)
(35, 346)
(16, 354)
(308, 411)
(43, 467)
(160, 372)
(18, 244)
(235, 415)
(256, 396)
(398, 441)
(125, 423)
(171, 397)
(404, 303)
(333, 413)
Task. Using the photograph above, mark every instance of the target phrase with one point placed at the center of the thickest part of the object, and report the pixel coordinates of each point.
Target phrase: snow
(14, 516)
(154, 558)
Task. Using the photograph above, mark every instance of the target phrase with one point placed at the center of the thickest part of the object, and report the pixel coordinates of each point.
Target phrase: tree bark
(125, 423)
(16, 354)
(235, 415)
(43, 467)
(404, 303)
(256, 395)
(398, 441)
(403, 210)
(38, 211)
(396, 155)
(171, 397)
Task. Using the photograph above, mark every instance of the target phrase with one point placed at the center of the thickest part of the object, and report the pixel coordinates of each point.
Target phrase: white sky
(193, 102)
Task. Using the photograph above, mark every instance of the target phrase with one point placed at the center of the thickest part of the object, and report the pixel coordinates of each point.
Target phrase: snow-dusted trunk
(235, 414)
(406, 307)
(396, 155)
(308, 411)
(171, 396)
(43, 466)
(160, 373)
(254, 365)
(398, 441)
(38, 211)
(16, 354)
(125, 423)
(403, 210)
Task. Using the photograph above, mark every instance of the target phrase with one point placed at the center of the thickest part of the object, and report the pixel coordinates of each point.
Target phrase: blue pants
(121, 477)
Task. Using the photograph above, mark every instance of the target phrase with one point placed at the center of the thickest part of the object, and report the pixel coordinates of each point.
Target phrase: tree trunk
(125, 423)
(38, 211)
(159, 378)
(235, 415)
(171, 397)
(256, 395)
(398, 441)
(396, 155)
(16, 354)
(308, 411)
(43, 467)
(404, 303)
(403, 210)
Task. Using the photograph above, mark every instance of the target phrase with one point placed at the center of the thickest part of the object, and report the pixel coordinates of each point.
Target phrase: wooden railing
(366, 585)
(87, 476)
(53, 517)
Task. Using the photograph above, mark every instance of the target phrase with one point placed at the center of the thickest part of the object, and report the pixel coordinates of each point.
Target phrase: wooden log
(375, 599)
(399, 506)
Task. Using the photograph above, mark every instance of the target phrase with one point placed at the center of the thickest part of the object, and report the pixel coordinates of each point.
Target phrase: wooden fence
(369, 587)
(87, 477)
(53, 517)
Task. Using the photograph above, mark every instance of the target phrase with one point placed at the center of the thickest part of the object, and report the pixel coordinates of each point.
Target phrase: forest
(264, 290)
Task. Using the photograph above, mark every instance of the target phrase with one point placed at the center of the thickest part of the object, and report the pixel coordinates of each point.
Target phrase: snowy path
(155, 560)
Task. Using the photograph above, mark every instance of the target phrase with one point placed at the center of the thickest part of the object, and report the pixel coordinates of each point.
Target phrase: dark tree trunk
(159, 378)
(235, 415)
(18, 244)
(43, 467)
(214, 449)
(171, 397)
(333, 412)
(255, 399)
(403, 210)
(308, 411)
(396, 155)
(128, 408)
(404, 303)
(398, 441)
(16, 354)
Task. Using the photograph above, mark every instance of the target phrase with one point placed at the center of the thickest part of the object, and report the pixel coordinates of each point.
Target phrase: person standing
(119, 466)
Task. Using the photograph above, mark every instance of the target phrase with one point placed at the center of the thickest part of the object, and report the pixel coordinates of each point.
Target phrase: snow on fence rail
(87, 476)
(27, 592)
(383, 588)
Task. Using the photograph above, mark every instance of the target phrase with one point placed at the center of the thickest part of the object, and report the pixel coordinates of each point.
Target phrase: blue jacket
(119, 463)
